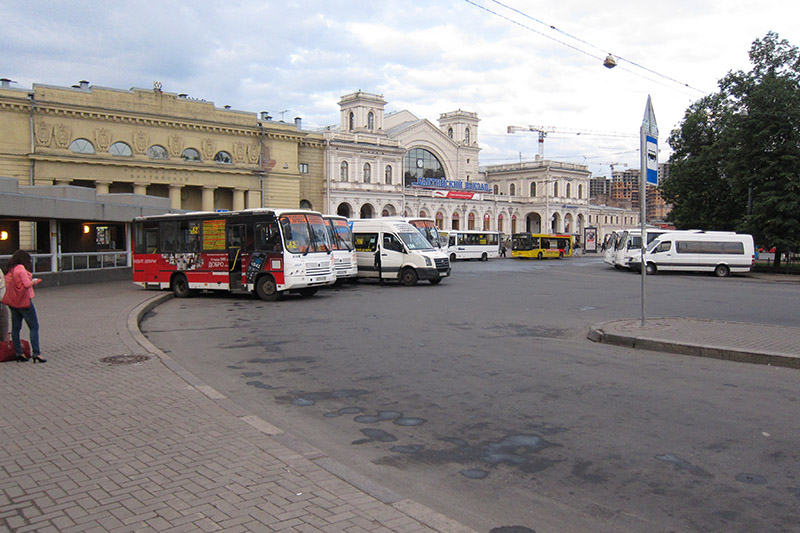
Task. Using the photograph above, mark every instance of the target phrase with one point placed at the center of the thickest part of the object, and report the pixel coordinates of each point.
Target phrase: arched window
(471, 221)
(513, 224)
(82, 146)
(420, 163)
(190, 154)
(343, 171)
(305, 204)
(454, 221)
(367, 172)
(157, 152)
(569, 189)
(495, 189)
(512, 190)
(423, 213)
(223, 157)
(466, 136)
(533, 189)
(371, 121)
(580, 191)
(486, 221)
(352, 121)
(450, 132)
(121, 149)
(555, 189)
(439, 220)
(500, 222)
(387, 175)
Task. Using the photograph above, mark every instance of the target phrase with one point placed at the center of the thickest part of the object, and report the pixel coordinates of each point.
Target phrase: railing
(42, 263)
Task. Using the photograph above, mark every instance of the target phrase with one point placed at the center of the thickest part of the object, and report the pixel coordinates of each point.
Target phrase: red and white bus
(265, 251)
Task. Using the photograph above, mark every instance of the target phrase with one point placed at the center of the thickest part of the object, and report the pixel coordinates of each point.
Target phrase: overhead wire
(582, 51)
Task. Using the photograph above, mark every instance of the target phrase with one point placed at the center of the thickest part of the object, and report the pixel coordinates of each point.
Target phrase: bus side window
(169, 233)
(267, 237)
(664, 247)
(365, 242)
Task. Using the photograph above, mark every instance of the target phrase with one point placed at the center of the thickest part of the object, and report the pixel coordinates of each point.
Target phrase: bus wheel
(308, 291)
(650, 268)
(722, 271)
(408, 277)
(540, 256)
(452, 258)
(484, 257)
(180, 286)
(266, 289)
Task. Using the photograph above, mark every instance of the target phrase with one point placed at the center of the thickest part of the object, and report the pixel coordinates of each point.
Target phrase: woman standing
(19, 297)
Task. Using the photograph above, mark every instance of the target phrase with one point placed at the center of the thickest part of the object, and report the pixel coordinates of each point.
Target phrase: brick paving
(89, 445)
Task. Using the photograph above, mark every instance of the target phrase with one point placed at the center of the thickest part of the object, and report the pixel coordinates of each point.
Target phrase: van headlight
(428, 261)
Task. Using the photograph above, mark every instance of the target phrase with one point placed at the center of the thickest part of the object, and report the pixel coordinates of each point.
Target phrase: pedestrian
(502, 250)
(19, 298)
(5, 320)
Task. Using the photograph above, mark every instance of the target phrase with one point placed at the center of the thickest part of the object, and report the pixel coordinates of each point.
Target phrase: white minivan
(392, 249)
(720, 252)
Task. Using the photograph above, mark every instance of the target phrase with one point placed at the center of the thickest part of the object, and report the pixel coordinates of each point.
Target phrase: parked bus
(426, 226)
(393, 249)
(720, 252)
(472, 244)
(629, 248)
(263, 251)
(609, 247)
(344, 252)
(530, 245)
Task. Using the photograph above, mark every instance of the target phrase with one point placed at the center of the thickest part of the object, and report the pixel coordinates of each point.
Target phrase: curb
(412, 509)
(599, 335)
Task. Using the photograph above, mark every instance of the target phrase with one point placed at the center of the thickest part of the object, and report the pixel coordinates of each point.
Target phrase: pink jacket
(19, 287)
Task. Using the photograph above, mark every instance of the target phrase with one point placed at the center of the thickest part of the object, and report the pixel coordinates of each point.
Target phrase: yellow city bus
(539, 246)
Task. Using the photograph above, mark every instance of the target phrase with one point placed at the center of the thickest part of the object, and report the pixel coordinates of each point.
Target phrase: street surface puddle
(343, 411)
(306, 398)
(260, 385)
(373, 435)
(752, 479)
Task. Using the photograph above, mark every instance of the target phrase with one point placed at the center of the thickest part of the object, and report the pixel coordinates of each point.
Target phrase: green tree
(736, 163)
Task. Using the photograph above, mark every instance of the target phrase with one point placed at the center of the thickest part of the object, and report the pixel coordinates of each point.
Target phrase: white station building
(397, 164)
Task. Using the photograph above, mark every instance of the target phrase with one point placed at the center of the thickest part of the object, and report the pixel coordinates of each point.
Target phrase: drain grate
(124, 359)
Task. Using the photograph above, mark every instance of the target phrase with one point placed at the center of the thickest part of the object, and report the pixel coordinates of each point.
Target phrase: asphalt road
(482, 398)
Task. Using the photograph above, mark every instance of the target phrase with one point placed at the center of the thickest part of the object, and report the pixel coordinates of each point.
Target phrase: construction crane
(544, 130)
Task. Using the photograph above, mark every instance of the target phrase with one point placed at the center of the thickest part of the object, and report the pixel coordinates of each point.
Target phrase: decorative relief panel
(140, 142)
(44, 133)
(102, 138)
(240, 152)
(175, 145)
(63, 135)
(209, 148)
(252, 153)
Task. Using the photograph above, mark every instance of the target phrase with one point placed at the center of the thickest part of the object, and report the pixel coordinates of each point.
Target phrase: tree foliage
(736, 160)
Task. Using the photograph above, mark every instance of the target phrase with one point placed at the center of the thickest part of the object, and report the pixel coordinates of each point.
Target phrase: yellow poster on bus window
(213, 235)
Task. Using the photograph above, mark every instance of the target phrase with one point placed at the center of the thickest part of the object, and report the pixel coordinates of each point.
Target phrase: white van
(720, 252)
(393, 249)
(629, 248)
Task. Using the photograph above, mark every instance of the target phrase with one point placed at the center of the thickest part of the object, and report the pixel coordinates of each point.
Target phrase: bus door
(235, 241)
(391, 255)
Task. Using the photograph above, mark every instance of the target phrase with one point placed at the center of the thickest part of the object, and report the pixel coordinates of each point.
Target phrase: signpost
(648, 142)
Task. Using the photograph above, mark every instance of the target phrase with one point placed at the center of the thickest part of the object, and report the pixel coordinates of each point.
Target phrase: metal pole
(643, 213)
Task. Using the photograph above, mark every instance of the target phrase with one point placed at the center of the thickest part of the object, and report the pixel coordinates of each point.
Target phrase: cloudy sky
(499, 59)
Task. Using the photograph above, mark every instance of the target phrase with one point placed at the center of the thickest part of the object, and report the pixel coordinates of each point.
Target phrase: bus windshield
(428, 229)
(340, 234)
(415, 241)
(304, 233)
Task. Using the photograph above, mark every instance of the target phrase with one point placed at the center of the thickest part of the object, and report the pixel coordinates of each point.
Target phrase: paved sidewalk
(748, 343)
(111, 434)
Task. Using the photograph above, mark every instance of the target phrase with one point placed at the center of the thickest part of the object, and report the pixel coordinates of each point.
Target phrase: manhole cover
(124, 359)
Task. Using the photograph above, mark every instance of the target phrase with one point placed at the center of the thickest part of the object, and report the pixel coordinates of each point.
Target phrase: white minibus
(345, 265)
(426, 226)
(629, 247)
(393, 249)
(720, 252)
(472, 244)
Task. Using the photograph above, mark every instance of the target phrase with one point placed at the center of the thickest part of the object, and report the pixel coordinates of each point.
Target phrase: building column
(238, 199)
(101, 187)
(254, 199)
(175, 196)
(208, 198)
(140, 188)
